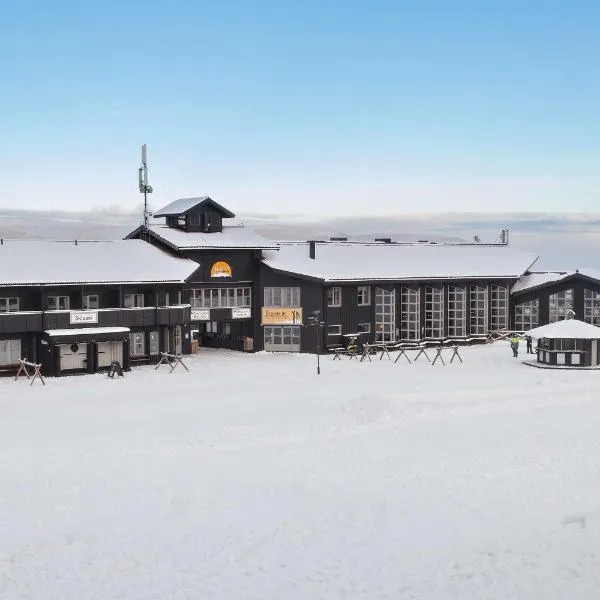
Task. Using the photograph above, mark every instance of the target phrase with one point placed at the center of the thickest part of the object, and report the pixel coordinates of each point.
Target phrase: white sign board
(241, 313)
(83, 316)
(200, 315)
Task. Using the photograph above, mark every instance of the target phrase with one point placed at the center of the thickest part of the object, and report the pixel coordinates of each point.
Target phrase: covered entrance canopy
(567, 343)
(84, 349)
(89, 333)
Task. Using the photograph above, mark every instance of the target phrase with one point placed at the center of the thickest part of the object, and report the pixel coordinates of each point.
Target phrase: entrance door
(108, 352)
(73, 357)
(282, 339)
(177, 339)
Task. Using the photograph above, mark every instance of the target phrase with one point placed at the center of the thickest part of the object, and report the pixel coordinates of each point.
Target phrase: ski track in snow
(252, 477)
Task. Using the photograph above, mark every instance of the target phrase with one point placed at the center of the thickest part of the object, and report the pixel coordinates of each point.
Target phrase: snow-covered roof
(183, 205)
(534, 280)
(380, 261)
(568, 328)
(26, 262)
(86, 331)
(230, 237)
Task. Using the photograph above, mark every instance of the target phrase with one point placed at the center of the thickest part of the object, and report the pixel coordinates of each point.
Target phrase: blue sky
(302, 107)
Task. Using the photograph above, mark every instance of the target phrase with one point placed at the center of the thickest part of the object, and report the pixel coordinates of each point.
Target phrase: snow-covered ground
(253, 478)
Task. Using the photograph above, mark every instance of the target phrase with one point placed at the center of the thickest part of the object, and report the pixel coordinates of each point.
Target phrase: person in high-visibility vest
(514, 344)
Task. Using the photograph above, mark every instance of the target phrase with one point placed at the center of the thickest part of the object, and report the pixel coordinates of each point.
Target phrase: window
(133, 301)
(478, 297)
(334, 296)
(334, 330)
(58, 303)
(153, 343)
(137, 345)
(410, 305)
(499, 307)
(591, 307)
(527, 315)
(385, 314)
(173, 298)
(363, 328)
(559, 305)
(221, 298)
(568, 344)
(363, 295)
(226, 329)
(10, 352)
(91, 302)
(211, 327)
(434, 312)
(282, 296)
(282, 339)
(9, 304)
(457, 311)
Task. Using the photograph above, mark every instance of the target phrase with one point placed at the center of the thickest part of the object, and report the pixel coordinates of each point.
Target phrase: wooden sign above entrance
(220, 269)
(281, 316)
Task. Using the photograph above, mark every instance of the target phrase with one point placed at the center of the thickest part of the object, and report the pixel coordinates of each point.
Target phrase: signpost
(315, 321)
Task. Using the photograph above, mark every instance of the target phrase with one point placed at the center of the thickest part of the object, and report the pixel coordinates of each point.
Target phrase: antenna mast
(145, 189)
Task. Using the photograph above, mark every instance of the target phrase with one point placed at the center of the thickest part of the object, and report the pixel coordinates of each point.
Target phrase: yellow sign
(220, 269)
(281, 316)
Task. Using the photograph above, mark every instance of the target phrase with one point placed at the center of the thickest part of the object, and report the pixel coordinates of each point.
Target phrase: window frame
(135, 296)
(361, 292)
(334, 297)
(282, 297)
(5, 304)
(137, 339)
(58, 302)
(154, 342)
(85, 303)
(367, 330)
(338, 332)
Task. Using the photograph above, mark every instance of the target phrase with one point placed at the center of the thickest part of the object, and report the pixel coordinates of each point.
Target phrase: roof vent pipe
(312, 249)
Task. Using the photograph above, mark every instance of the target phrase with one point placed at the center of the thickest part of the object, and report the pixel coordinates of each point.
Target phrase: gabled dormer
(195, 214)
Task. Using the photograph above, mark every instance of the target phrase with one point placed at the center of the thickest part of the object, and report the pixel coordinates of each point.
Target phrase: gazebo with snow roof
(567, 343)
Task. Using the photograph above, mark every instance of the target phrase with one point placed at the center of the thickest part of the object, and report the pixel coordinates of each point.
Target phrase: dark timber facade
(542, 298)
(81, 327)
(203, 281)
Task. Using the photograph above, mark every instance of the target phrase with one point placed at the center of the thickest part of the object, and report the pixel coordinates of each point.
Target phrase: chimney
(312, 246)
(384, 240)
(338, 239)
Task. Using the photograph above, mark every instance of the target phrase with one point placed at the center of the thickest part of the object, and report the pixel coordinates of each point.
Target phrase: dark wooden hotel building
(201, 278)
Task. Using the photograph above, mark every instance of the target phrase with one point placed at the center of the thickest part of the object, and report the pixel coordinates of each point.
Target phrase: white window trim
(58, 299)
(339, 331)
(135, 297)
(368, 294)
(86, 305)
(6, 300)
(331, 303)
(368, 327)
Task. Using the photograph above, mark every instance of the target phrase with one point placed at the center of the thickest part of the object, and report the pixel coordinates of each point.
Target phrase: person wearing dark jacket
(529, 345)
